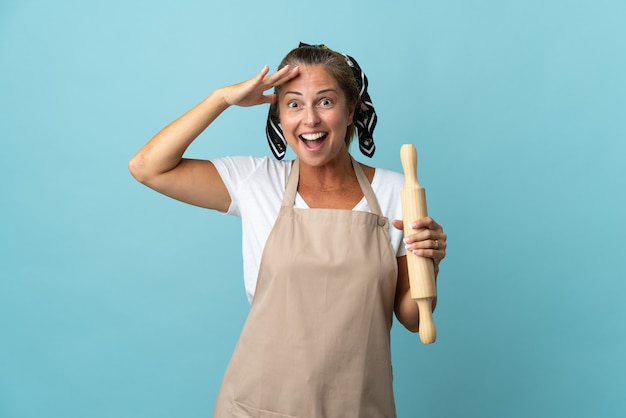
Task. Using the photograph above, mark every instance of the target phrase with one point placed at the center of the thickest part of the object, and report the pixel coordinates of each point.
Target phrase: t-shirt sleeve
(387, 189)
(234, 171)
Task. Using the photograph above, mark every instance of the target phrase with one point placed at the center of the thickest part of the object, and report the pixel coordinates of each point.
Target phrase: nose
(311, 117)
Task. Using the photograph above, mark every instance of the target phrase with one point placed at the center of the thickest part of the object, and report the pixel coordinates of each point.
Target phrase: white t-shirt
(256, 187)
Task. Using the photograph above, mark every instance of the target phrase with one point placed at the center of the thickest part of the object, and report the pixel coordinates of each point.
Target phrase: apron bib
(316, 342)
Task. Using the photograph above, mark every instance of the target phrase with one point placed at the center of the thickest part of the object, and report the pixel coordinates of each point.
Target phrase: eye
(292, 105)
(326, 102)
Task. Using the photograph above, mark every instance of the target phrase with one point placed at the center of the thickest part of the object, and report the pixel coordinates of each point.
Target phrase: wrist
(219, 98)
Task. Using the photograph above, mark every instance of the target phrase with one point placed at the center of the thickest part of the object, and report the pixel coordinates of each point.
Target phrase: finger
(272, 78)
(425, 234)
(425, 223)
(435, 255)
(283, 75)
(268, 99)
(261, 81)
(263, 72)
(427, 244)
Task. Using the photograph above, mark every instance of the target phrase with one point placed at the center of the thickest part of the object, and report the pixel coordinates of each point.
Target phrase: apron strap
(292, 184)
(366, 187)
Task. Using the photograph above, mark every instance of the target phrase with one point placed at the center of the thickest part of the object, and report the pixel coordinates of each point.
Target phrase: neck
(331, 176)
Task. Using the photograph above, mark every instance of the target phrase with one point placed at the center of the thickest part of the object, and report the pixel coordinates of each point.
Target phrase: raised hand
(252, 92)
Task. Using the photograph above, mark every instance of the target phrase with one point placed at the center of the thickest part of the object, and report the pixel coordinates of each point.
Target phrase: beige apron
(316, 340)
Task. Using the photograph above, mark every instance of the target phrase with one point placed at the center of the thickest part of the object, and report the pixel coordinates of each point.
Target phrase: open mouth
(313, 141)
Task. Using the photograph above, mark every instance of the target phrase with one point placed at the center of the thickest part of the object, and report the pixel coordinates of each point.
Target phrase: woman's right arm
(160, 164)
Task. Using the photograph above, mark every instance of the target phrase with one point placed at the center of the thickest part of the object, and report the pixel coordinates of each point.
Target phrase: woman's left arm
(429, 241)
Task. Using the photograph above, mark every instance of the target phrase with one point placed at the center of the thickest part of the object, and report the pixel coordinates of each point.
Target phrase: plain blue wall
(118, 302)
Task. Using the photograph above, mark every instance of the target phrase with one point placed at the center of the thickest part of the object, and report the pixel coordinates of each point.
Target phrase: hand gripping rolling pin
(421, 269)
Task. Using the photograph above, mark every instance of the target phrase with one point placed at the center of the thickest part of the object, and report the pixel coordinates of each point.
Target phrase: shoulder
(245, 166)
(390, 175)
(382, 174)
(387, 186)
(251, 180)
(387, 179)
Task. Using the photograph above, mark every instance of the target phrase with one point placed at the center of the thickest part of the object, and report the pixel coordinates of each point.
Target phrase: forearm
(165, 151)
(405, 308)
(407, 312)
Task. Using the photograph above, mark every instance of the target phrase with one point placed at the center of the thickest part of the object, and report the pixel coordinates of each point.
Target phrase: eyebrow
(297, 93)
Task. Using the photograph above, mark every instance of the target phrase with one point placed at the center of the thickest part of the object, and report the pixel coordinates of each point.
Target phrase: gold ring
(436, 244)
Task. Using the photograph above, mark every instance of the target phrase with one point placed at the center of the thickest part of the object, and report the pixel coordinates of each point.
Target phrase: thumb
(398, 224)
(269, 98)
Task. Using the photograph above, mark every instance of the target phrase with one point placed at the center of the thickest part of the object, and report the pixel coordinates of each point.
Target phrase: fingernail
(406, 240)
(414, 225)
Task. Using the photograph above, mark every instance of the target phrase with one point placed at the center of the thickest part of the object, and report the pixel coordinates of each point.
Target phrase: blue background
(118, 302)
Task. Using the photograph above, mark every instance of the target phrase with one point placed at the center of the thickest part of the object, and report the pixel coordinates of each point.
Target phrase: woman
(324, 270)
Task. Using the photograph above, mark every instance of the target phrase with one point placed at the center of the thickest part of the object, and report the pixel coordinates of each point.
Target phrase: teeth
(312, 137)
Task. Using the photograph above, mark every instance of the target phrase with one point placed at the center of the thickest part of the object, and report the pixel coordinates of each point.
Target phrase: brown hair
(336, 65)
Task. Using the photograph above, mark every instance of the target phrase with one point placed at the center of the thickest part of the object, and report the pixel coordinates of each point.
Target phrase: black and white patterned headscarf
(364, 116)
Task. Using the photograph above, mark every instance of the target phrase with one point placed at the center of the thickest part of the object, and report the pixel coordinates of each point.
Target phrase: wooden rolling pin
(421, 269)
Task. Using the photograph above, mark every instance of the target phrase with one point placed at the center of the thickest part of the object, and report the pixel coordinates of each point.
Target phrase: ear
(351, 110)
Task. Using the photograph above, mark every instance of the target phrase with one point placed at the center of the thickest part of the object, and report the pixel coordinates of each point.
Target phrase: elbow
(409, 321)
(136, 167)
(414, 327)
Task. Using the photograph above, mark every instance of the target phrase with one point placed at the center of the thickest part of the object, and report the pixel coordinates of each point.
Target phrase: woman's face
(314, 116)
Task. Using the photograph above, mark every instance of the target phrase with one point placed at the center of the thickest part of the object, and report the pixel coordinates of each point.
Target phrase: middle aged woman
(323, 268)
